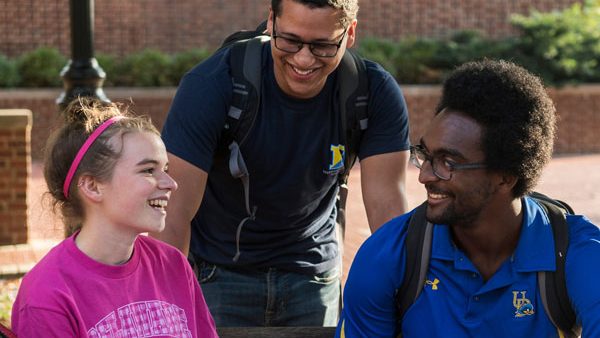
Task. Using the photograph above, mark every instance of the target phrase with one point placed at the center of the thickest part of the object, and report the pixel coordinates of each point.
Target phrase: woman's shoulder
(46, 278)
(152, 246)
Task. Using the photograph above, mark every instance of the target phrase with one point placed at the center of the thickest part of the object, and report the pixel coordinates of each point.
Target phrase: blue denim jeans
(269, 297)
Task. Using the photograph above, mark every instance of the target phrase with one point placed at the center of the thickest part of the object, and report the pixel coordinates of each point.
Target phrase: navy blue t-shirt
(292, 155)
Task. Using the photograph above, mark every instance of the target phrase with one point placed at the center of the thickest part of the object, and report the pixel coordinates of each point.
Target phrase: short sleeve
(376, 273)
(388, 129)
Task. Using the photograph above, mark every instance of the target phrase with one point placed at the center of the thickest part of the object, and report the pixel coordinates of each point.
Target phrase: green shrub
(562, 46)
(41, 67)
(9, 76)
(414, 61)
(468, 45)
(109, 65)
(184, 61)
(426, 60)
(148, 68)
(382, 51)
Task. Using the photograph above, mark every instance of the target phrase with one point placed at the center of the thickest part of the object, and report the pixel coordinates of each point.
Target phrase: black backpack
(352, 91)
(552, 284)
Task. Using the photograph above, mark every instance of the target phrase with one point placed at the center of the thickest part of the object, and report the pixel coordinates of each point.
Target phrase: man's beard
(463, 213)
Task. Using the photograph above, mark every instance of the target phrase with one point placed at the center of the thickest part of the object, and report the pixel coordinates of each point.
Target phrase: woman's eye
(148, 171)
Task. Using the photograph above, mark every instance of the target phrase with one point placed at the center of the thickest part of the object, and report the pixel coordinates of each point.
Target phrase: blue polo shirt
(456, 301)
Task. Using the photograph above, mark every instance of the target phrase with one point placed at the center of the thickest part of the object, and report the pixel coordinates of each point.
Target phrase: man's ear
(351, 34)
(507, 182)
(90, 188)
(270, 22)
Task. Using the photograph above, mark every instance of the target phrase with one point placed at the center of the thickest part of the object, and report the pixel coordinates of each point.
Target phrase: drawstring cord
(238, 233)
(238, 169)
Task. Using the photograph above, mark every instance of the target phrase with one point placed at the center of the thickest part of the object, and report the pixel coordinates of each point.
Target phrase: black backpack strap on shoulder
(352, 102)
(245, 65)
(353, 99)
(558, 203)
(246, 72)
(261, 29)
(418, 252)
(552, 284)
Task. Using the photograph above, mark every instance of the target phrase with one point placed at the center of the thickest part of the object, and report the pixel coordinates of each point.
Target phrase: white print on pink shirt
(153, 318)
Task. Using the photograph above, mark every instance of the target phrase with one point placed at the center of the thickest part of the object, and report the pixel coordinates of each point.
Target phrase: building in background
(123, 27)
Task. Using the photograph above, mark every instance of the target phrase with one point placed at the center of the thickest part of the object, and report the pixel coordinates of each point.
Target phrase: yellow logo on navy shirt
(434, 283)
(338, 154)
(522, 304)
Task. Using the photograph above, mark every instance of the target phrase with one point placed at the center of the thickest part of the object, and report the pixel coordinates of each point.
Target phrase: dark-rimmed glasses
(440, 165)
(319, 49)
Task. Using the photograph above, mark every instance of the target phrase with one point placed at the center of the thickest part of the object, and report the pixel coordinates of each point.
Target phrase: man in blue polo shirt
(491, 136)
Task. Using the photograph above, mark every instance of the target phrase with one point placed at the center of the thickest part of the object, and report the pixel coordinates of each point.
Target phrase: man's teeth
(158, 203)
(303, 72)
(437, 196)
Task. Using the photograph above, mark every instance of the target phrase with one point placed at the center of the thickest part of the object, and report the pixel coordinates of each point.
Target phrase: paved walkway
(575, 179)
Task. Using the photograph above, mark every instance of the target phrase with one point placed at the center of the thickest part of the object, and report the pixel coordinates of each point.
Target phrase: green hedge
(148, 68)
(561, 46)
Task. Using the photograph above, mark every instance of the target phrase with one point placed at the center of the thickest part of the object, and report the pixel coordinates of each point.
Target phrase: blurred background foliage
(563, 47)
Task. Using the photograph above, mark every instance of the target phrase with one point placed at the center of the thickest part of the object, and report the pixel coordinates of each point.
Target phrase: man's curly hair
(515, 112)
(349, 8)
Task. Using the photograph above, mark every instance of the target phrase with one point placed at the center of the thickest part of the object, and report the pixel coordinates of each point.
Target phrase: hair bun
(89, 112)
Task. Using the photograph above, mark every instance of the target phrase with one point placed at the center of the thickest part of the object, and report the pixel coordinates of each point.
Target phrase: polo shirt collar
(534, 252)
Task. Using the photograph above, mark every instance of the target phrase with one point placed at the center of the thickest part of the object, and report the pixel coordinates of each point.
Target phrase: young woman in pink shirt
(107, 173)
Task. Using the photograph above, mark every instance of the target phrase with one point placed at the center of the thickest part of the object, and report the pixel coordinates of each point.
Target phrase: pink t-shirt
(154, 294)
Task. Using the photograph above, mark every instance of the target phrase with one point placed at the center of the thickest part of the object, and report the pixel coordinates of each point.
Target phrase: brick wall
(122, 27)
(15, 166)
(578, 108)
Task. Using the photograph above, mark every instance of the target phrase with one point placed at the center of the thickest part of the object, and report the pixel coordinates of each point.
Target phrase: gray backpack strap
(418, 252)
(238, 169)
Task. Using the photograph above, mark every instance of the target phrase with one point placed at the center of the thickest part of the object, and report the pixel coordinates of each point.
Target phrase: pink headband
(84, 148)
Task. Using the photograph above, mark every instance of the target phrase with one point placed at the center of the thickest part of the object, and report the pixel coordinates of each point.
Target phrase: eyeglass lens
(290, 45)
(419, 157)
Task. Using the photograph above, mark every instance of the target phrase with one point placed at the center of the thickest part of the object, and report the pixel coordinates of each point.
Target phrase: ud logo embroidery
(338, 153)
(434, 283)
(522, 304)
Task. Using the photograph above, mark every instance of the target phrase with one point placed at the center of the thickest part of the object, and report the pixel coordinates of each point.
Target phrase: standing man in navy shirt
(492, 134)
(280, 267)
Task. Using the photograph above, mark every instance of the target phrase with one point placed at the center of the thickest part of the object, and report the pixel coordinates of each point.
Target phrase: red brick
(123, 27)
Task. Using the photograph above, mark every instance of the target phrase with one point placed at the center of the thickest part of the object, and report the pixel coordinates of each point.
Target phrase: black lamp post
(82, 76)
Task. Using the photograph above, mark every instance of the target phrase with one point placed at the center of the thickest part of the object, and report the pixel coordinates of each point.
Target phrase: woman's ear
(90, 188)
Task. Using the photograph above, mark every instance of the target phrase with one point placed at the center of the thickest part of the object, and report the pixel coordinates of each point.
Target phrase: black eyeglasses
(440, 165)
(319, 49)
